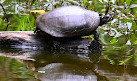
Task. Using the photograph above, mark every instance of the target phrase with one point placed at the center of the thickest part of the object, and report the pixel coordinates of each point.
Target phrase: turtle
(70, 21)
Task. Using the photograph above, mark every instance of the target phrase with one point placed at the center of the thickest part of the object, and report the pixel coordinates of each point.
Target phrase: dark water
(114, 59)
(80, 62)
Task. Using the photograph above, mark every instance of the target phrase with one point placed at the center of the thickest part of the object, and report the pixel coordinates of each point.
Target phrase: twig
(8, 23)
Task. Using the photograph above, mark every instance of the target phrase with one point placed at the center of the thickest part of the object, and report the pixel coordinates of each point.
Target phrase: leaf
(125, 60)
(133, 38)
(113, 41)
(103, 40)
(91, 36)
(38, 11)
(41, 71)
(135, 42)
(134, 27)
(84, 2)
(128, 2)
(121, 62)
(85, 37)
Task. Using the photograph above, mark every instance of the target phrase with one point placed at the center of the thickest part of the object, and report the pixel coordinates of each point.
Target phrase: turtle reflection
(78, 63)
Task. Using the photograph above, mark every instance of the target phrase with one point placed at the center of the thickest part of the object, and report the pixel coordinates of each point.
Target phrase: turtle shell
(68, 21)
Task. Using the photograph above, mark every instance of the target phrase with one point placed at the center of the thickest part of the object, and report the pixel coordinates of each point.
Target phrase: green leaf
(135, 42)
(113, 41)
(41, 71)
(134, 26)
(84, 2)
(121, 62)
(128, 2)
(91, 36)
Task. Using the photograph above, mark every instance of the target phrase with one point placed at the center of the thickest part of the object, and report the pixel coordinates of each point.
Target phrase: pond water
(114, 59)
(91, 63)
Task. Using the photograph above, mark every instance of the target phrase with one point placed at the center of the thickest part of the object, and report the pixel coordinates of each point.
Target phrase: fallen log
(27, 41)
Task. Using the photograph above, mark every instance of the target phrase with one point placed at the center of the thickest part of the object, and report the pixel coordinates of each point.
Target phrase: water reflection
(72, 60)
(82, 60)
(66, 67)
(77, 63)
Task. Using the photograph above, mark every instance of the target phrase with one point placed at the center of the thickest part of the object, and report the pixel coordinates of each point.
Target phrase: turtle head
(105, 19)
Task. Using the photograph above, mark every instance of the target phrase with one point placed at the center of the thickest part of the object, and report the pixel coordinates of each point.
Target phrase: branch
(8, 23)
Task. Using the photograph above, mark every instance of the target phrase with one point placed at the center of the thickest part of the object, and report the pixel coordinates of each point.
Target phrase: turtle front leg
(96, 35)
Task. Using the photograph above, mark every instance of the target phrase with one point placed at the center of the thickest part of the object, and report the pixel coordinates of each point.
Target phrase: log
(27, 40)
